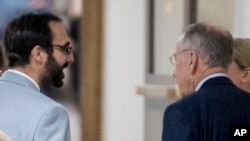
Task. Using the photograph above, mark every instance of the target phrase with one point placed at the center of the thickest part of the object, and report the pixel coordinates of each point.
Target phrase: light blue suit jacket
(28, 115)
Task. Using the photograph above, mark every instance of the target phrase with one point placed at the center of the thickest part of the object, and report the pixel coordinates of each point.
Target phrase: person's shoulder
(47, 106)
(43, 100)
(190, 101)
(190, 98)
(186, 108)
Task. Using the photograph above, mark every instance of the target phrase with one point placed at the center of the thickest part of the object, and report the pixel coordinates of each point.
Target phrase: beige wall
(216, 11)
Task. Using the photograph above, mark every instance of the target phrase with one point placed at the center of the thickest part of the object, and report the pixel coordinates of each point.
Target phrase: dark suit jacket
(207, 114)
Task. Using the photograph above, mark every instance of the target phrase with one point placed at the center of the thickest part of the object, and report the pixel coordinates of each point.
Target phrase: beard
(53, 74)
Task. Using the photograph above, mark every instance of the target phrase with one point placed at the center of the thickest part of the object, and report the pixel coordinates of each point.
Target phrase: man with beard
(38, 49)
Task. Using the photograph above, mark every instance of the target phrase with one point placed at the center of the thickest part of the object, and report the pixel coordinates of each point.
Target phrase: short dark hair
(22, 34)
(214, 43)
(2, 59)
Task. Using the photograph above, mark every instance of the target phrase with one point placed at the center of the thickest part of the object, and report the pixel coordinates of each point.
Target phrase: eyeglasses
(172, 57)
(65, 48)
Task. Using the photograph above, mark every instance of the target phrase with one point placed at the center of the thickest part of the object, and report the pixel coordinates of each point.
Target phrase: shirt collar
(26, 76)
(208, 77)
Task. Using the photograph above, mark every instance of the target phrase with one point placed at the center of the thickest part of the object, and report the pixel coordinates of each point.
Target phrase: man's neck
(206, 72)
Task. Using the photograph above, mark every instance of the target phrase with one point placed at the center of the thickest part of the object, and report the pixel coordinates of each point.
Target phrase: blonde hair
(241, 50)
(4, 137)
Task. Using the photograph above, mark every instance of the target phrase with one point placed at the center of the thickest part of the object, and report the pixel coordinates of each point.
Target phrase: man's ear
(246, 75)
(193, 62)
(38, 54)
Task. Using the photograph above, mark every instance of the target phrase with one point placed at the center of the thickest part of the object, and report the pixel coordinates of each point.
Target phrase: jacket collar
(217, 80)
(20, 79)
(207, 78)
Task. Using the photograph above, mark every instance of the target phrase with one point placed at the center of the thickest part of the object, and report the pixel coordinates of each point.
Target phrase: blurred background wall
(125, 44)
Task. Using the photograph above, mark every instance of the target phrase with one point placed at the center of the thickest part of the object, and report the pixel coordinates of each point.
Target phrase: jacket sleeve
(178, 125)
(54, 125)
